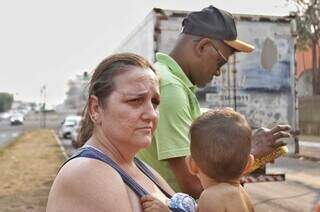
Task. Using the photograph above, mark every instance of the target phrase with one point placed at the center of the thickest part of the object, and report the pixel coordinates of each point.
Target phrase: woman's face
(129, 116)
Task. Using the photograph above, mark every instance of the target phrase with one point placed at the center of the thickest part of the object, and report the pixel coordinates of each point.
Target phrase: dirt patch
(28, 168)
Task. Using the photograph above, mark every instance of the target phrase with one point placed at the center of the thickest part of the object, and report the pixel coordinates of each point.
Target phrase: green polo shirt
(178, 108)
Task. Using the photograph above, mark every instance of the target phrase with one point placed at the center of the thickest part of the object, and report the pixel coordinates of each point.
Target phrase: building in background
(304, 71)
(309, 104)
(76, 95)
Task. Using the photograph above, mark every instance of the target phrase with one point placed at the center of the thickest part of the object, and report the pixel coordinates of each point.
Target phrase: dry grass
(28, 168)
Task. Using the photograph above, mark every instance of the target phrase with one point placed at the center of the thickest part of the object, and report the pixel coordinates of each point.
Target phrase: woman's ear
(249, 165)
(93, 106)
(191, 165)
(203, 46)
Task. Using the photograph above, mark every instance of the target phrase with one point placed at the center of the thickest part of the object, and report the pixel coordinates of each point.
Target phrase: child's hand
(150, 204)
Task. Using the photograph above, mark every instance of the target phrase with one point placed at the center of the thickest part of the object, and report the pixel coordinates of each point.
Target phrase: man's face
(212, 59)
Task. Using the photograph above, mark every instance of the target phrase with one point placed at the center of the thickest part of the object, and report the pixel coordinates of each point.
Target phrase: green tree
(308, 29)
(6, 100)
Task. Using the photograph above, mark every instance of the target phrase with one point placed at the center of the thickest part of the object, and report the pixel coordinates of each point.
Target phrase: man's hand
(150, 204)
(264, 140)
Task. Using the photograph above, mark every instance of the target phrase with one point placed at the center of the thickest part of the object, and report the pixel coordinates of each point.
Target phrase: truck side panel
(260, 85)
(141, 40)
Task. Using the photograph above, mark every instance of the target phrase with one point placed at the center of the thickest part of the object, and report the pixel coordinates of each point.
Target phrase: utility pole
(43, 106)
(295, 126)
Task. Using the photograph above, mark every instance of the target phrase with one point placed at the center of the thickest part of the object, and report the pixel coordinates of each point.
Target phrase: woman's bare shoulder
(88, 185)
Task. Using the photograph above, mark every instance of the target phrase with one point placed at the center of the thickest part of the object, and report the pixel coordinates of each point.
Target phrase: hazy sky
(49, 42)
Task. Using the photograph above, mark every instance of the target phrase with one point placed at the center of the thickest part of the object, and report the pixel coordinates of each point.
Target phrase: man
(208, 39)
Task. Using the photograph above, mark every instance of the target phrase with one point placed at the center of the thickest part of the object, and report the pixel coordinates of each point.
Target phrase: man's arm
(188, 183)
(264, 140)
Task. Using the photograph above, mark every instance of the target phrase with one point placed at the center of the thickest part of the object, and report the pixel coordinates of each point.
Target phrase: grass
(28, 168)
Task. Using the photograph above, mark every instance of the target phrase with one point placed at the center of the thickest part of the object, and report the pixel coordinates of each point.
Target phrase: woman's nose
(150, 112)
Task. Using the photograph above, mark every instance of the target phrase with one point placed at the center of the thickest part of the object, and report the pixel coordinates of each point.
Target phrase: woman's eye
(135, 101)
(155, 103)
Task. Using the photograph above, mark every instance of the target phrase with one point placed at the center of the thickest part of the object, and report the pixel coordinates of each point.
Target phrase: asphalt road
(299, 192)
(67, 146)
(32, 121)
(8, 133)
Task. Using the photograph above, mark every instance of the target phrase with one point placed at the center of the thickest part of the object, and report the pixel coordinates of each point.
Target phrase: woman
(119, 120)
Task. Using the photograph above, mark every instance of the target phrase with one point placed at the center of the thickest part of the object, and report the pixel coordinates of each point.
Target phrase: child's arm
(150, 204)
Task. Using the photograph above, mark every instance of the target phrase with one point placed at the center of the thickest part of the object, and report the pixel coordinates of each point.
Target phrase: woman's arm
(88, 185)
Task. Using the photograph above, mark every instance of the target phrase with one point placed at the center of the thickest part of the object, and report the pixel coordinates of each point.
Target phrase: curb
(63, 151)
(304, 157)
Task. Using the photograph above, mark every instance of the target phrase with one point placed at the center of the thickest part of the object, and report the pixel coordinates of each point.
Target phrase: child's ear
(249, 165)
(191, 165)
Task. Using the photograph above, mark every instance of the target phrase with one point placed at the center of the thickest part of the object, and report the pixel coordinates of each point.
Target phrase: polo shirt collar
(175, 69)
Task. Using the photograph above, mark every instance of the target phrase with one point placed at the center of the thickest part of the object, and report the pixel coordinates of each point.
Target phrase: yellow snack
(280, 151)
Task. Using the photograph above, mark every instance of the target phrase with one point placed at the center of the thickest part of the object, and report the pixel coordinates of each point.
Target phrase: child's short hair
(221, 143)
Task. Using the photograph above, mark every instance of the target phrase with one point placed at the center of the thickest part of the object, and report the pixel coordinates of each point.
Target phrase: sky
(49, 42)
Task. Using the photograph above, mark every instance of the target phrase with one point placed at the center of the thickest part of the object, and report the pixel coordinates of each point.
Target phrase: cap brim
(240, 45)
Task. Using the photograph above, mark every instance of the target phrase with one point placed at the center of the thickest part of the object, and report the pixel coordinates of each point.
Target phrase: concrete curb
(64, 153)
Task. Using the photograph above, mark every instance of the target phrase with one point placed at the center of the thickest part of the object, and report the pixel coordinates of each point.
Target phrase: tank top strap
(150, 175)
(90, 152)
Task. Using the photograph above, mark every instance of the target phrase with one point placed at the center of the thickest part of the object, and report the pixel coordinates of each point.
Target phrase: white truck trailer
(260, 85)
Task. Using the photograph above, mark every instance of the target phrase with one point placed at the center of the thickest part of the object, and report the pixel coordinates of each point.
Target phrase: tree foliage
(308, 29)
(308, 24)
(6, 100)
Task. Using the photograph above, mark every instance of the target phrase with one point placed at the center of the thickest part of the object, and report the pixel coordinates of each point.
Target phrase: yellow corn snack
(280, 151)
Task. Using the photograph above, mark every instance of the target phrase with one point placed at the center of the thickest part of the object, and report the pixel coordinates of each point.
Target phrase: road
(67, 146)
(8, 133)
(32, 120)
(299, 192)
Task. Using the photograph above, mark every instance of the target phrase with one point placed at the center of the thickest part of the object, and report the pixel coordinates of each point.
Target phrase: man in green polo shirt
(205, 44)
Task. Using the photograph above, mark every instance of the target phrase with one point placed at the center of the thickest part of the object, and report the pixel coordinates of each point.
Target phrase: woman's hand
(150, 204)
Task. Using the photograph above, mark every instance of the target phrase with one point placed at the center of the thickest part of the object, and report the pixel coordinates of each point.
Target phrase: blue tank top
(175, 204)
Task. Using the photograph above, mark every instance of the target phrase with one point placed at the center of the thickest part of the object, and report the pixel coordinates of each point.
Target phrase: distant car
(5, 115)
(16, 119)
(67, 126)
(75, 134)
